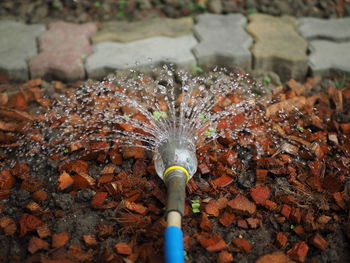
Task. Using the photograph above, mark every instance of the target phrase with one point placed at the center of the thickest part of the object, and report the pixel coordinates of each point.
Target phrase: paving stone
(327, 29)
(329, 56)
(110, 56)
(63, 49)
(278, 47)
(223, 41)
(130, 31)
(17, 45)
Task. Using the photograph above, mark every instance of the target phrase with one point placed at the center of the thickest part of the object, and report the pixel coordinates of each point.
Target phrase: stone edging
(71, 52)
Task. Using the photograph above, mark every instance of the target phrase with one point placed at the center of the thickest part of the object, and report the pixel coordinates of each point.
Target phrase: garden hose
(175, 178)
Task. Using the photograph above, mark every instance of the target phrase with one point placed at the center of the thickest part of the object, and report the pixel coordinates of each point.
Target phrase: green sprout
(126, 116)
(340, 83)
(300, 128)
(203, 118)
(195, 69)
(66, 151)
(202, 5)
(292, 227)
(57, 4)
(157, 115)
(251, 11)
(209, 132)
(186, 256)
(266, 80)
(121, 8)
(97, 4)
(195, 206)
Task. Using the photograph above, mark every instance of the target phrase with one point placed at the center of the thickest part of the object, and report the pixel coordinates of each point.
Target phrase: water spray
(172, 117)
(175, 162)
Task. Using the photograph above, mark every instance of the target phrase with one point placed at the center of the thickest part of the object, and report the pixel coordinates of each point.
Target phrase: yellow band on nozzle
(175, 167)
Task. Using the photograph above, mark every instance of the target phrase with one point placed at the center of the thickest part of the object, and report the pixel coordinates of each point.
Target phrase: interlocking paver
(278, 47)
(327, 56)
(17, 45)
(110, 56)
(327, 29)
(64, 47)
(223, 40)
(130, 31)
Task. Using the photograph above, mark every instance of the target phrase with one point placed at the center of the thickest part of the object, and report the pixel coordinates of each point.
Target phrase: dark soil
(42, 11)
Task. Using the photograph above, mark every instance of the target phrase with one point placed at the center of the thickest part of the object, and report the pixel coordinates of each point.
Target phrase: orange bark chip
(212, 242)
(227, 219)
(211, 208)
(299, 251)
(7, 226)
(6, 179)
(123, 248)
(60, 239)
(115, 156)
(242, 244)
(223, 181)
(319, 242)
(28, 222)
(225, 257)
(36, 244)
(21, 171)
(64, 181)
(83, 181)
(39, 195)
(135, 207)
(260, 194)
(43, 231)
(18, 101)
(98, 199)
(89, 240)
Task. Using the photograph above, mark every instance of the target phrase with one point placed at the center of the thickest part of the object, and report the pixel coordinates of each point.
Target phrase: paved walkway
(288, 46)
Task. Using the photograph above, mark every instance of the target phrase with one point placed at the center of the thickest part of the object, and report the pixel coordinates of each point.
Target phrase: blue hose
(174, 248)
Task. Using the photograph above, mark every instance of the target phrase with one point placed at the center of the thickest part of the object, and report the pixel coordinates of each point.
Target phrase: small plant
(66, 151)
(195, 206)
(203, 118)
(195, 69)
(126, 116)
(57, 4)
(97, 4)
(251, 11)
(209, 132)
(186, 256)
(266, 80)
(157, 115)
(300, 128)
(340, 82)
(121, 8)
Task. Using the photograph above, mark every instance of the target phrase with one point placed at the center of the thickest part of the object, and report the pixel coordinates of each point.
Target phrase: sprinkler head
(176, 153)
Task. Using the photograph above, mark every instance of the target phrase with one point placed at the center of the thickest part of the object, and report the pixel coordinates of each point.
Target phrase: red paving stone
(63, 49)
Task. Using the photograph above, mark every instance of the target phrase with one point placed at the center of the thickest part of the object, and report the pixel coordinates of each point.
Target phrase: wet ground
(287, 190)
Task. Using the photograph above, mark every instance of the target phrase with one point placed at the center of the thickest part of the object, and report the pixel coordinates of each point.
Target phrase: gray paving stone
(278, 46)
(327, 56)
(17, 45)
(331, 29)
(223, 41)
(110, 56)
(130, 31)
